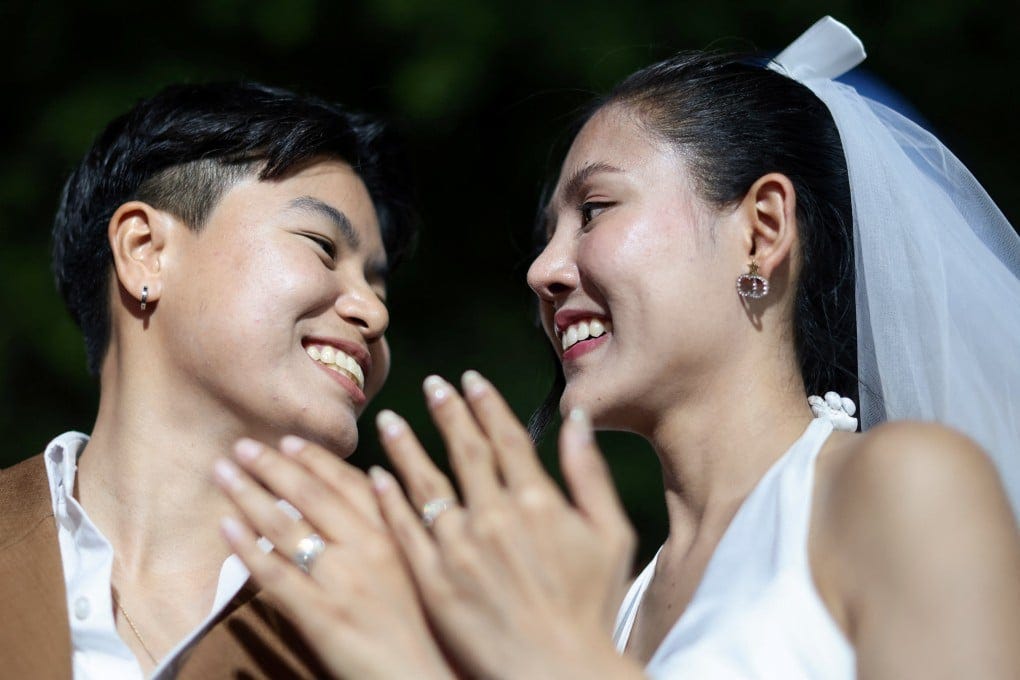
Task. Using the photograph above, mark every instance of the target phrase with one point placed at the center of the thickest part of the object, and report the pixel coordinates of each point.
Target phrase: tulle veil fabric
(938, 266)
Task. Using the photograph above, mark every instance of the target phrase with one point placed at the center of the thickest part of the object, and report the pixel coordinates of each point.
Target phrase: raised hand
(518, 580)
(352, 598)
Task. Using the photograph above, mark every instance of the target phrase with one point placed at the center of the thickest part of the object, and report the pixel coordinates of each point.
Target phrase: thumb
(587, 475)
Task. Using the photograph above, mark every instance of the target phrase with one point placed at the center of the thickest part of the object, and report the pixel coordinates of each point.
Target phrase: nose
(553, 274)
(360, 306)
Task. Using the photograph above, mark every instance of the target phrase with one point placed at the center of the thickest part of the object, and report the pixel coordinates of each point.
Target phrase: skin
(870, 516)
(481, 571)
(912, 545)
(218, 354)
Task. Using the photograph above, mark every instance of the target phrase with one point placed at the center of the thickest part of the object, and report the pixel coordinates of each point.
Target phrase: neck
(715, 446)
(145, 479)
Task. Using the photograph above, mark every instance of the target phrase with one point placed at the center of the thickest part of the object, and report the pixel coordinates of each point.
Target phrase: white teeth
(582, 330)
(338, 361)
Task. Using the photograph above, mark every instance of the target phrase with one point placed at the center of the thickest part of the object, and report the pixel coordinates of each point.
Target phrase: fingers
(406, 526)
(514, 451)
(344, 479)
(421, 477)
(274, 573)
(468, 447)
(259, 508)
(319, 503)
(587, 476)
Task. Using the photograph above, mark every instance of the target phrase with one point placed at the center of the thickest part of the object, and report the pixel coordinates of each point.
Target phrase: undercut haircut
(183, 148)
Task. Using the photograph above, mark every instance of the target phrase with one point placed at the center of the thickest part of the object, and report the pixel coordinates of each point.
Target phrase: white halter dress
(756, 613)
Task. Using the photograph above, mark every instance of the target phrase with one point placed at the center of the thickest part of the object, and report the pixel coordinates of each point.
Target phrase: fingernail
(247, 450)
(231, 528)
(381, 480)
(226, 473)
(437, 390)
(291, 444)
(473, 382)
(582, 425)
(389, 423)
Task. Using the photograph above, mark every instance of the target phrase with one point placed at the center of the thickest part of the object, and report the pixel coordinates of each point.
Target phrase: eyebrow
(573, 186)
(343, 225)
(377, 267)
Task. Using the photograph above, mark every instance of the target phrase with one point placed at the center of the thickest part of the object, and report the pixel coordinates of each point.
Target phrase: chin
(605, 414)
(342, 447)
(336, 430)
(592, 404)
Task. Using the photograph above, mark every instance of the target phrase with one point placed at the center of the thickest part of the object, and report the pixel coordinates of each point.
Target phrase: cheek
(621, 262)
(281, 282)
(545, 313)
(380, 366)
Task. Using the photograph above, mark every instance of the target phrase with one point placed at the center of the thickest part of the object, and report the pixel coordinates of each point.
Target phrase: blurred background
(483, 93)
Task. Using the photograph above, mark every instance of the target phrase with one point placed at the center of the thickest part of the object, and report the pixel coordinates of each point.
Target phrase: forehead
(613, 141)
(328, 189)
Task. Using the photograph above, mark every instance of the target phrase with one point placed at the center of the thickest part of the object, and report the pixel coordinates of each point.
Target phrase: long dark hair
(735, 121)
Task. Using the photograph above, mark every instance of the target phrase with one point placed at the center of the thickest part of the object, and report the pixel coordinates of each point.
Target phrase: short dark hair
(181, 149)
(736, 121)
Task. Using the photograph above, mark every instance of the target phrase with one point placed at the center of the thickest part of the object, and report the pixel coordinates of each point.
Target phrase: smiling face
(272, 315)
(642, 268)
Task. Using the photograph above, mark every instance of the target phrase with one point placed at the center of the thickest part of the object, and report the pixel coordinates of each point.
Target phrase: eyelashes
(327, 246)
(375, 280)
(592, 209)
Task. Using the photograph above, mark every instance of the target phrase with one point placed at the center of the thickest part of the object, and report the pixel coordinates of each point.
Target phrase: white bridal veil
(938, 266)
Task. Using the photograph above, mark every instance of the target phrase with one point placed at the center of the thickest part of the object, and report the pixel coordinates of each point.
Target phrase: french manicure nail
(231, 528)
(226, 473)
(579, 416)
(582, 424)
(247, 450)
(291, 444)
(389, 423)
(381, 480)
(436, 389)
(473, 382)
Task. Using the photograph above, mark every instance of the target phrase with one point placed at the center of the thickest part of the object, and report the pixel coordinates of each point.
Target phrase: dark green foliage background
(483, 92)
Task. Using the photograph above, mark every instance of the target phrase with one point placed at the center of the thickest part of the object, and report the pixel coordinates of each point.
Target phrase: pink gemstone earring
(752, 285)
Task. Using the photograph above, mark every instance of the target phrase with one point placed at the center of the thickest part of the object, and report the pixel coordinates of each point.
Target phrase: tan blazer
(251, 639)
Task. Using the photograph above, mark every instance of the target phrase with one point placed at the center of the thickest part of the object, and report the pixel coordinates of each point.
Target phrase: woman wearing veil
(864, 254)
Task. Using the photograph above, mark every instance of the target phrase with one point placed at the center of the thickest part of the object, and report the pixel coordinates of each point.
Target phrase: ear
(771, 208)
(138, 234)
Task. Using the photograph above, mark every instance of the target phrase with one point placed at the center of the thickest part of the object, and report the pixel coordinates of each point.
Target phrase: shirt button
(82, 608)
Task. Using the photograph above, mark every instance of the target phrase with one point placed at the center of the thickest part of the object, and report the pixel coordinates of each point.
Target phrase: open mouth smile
(339, 361)
(580, 331)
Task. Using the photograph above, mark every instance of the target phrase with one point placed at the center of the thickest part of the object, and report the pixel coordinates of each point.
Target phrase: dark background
(482, 92)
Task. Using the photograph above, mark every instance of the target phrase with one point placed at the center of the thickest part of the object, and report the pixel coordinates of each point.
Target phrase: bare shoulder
(912, 543)
(910, 516)
(911, 472)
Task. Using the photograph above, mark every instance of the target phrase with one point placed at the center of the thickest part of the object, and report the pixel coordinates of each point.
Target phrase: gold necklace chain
(134, 629)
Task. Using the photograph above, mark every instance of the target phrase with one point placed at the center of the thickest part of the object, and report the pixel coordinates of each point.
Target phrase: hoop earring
(752, 285)
(145, 296)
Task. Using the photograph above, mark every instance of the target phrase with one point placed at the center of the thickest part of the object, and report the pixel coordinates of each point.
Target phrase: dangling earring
(145, 296)
(752, 285)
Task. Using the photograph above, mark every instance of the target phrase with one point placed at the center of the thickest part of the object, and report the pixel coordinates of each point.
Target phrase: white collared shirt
(98, 652)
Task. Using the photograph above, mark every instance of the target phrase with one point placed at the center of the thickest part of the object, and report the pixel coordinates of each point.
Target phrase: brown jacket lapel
(250, 639)
(35, 639)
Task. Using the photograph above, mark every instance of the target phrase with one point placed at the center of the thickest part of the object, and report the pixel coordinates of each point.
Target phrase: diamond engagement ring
(434, 508)
(308, 548)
